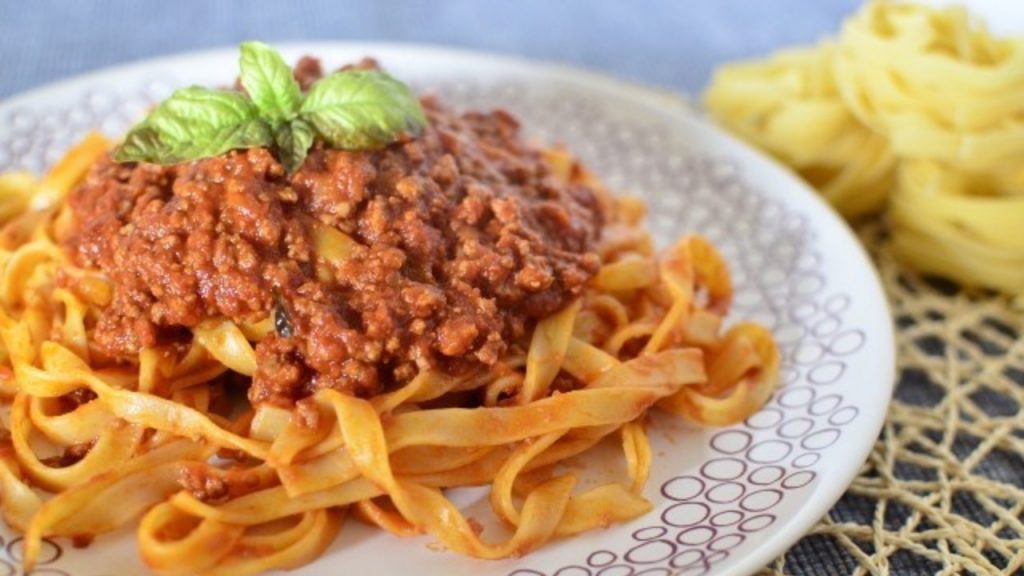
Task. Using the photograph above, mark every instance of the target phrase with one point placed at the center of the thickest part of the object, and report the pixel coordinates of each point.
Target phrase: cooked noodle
(647, 333)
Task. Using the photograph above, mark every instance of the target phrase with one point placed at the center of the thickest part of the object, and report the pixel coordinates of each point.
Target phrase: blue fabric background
(674, 43)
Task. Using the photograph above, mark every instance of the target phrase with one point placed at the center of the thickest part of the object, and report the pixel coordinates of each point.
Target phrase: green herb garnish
(350, 110)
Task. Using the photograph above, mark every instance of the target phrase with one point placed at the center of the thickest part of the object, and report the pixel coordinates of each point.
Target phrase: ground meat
(565, 382)
(76, 398)
(213, 485)
(464, 237)
(307, 71)
(71, 455)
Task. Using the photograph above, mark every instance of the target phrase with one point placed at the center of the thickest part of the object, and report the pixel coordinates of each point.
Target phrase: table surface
(672, 43)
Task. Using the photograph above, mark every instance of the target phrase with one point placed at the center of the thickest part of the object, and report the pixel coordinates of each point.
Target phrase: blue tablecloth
(667, 42)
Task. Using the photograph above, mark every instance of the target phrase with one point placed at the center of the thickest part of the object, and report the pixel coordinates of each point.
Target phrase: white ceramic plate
(727, 500)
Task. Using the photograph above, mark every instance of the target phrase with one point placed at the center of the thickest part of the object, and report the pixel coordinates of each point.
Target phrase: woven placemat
(943, 489)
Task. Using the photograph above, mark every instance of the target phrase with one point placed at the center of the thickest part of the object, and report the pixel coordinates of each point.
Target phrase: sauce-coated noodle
(116, 442)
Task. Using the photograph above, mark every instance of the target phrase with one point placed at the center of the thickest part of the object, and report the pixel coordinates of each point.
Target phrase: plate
(727, 500)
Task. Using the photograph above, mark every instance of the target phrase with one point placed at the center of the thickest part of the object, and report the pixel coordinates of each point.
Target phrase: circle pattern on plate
(702, 518)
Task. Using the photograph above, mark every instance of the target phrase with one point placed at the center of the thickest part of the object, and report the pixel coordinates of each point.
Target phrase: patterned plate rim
(673, 106)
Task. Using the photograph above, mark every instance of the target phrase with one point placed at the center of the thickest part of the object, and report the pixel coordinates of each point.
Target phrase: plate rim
(663, 101)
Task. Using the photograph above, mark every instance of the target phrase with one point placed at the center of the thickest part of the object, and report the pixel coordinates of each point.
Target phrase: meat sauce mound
(464, 240)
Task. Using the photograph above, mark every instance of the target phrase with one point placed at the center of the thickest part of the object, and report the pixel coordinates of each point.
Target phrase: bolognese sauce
(455, 242)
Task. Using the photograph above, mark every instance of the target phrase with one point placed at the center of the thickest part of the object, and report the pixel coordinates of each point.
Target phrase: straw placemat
(943, 489)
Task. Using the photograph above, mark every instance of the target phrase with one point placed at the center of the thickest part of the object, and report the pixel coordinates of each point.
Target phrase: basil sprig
(350, 110)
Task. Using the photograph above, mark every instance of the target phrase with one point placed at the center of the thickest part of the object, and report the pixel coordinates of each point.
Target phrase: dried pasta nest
(913, 102)
(790, 106)
(935, 83)
(960, 224)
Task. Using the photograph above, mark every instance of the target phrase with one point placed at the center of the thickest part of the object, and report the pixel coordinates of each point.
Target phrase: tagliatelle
(790, 106)
(950, 98)
(916, 106)
(935, 83)
(961, 225)
(114, 442)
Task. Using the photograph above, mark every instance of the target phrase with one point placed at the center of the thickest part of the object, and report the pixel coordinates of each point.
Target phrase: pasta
(911, 102)
(961, 225)
(789, 105)
(950, 98)
(936, 84)
(112, 443)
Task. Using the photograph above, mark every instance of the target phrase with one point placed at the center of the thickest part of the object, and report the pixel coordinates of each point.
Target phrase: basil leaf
(352, 110)
(196, 123)
(362, 109)
(293, 142)
(143, 144)
(200, 122)
(269, 82)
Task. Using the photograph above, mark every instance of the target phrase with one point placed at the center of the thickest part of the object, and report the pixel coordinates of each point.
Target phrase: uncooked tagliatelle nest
(918, 104)
(960, 224)
(935, 83)
(789, 105)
